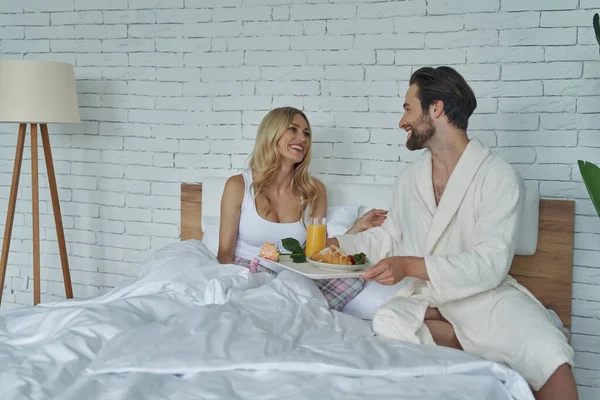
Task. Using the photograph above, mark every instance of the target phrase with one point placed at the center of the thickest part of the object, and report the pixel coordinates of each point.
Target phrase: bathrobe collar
(458, 183)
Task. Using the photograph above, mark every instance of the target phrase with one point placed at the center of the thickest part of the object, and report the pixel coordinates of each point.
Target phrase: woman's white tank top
(254, 230)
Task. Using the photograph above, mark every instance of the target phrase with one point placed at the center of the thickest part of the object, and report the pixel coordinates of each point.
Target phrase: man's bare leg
(443, 334)
(561, 385)
(434, 314)
(441, 330)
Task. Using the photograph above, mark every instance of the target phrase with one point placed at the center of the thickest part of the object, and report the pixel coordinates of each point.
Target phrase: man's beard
(422, 131)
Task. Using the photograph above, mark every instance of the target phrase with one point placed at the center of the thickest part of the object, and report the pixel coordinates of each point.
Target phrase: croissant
(332, 255)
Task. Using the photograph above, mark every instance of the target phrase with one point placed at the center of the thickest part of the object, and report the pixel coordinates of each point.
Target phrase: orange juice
(316, 236)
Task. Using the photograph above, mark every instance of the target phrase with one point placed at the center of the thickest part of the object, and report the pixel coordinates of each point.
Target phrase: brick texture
(172, 91)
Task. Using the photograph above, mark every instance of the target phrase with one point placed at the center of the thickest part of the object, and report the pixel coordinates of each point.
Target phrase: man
(450, 234)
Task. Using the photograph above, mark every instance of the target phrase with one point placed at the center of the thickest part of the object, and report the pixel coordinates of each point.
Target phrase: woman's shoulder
(239, 178)
(235, 185)
(320, 185)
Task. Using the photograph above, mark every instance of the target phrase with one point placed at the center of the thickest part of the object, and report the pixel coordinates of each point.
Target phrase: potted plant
(591, 177)
(589, 171)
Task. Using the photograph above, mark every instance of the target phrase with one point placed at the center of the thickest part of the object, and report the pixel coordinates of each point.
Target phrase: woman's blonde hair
(266, 160)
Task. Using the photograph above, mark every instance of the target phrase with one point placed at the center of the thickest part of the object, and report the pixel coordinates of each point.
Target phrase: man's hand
(387, 271)
(370, 219)
(332, 242)
(392, 270)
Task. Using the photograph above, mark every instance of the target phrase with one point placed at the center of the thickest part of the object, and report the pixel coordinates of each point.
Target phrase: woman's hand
(370, 219)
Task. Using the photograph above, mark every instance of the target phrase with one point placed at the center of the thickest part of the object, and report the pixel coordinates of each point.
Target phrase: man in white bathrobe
(450, 235)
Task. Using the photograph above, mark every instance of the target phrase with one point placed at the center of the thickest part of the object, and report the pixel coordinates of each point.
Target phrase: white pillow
(210, 227)
(339, 220)
(527, 238)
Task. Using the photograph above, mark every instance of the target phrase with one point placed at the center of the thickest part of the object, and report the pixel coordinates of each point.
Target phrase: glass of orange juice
(316, 235)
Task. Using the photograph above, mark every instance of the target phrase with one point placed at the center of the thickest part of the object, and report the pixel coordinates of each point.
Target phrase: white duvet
(189, 328)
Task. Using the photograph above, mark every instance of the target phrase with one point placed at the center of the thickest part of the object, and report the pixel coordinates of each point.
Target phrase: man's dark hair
(447, 85)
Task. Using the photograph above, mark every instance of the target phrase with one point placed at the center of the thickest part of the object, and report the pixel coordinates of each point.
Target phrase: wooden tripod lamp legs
(12, 203)
(35, 210)
(35, 213)
(60, 234)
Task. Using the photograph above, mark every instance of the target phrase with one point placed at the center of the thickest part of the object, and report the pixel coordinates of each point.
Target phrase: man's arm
(377, 243)
(485, 265)
(371, 219)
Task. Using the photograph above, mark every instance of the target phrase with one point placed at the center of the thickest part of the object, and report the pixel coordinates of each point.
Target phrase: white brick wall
(172, 91)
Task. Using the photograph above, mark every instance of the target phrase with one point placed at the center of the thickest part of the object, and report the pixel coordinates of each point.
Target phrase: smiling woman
(273, 199)
(275, 192)
(283, 143)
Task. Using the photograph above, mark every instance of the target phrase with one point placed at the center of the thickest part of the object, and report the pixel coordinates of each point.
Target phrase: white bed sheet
(191, 328)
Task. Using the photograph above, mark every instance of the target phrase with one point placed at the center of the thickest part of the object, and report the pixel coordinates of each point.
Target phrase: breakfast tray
(310, 270)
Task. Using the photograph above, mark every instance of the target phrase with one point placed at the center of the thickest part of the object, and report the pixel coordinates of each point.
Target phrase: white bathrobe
(468, 243)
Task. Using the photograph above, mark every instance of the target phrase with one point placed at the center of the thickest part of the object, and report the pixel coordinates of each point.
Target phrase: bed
(544, 260)
(188, 327)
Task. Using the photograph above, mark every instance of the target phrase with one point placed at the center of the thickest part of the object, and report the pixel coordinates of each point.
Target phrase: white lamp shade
(39, 92)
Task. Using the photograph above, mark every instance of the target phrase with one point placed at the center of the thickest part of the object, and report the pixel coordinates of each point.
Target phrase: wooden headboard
(548, 274)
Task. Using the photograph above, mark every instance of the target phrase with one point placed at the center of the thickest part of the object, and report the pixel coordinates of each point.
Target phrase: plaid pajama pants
(338, 292)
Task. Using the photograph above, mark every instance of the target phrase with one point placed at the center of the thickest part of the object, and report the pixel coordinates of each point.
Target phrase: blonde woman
(272, 199)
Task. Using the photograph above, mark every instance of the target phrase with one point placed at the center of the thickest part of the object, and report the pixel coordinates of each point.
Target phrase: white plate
(338, 267)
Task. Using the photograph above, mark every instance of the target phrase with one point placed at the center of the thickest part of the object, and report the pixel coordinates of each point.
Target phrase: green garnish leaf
(298, 258)
(360, 258)
(292, 245)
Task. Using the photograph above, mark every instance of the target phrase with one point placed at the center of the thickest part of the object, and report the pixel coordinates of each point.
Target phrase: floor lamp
(36, 92)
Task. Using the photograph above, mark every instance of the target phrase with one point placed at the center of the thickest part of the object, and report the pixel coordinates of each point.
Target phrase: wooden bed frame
(548, 274)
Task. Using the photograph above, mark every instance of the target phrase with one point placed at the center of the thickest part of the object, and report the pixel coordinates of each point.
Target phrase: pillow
(339, 220)
(527, 238)
(210, 227)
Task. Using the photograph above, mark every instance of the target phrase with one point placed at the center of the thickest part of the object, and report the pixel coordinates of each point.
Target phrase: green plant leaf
(591, 177)
(596, 23)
